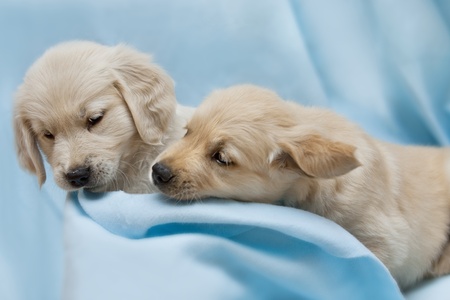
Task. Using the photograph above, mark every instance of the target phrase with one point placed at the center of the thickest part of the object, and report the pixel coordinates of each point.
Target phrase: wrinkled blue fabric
(256, 251)
(384, 64)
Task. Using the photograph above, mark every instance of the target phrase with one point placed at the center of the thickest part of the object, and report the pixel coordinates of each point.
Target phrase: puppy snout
(161, 174)
(78, 177)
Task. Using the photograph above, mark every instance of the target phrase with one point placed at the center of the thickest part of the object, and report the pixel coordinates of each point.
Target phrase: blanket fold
(217, 249)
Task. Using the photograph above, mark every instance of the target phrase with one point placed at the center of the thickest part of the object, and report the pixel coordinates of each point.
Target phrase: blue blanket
(219, 249)
(384, 64)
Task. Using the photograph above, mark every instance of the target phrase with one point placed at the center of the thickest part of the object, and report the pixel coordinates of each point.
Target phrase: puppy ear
(27, 149)
(317, 157)
(148, 92)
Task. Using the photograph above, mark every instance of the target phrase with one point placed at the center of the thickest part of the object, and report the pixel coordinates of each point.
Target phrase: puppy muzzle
(78, 177)
(161, 174)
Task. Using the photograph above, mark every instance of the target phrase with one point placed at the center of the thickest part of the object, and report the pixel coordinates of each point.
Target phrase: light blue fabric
(381, 63)
(220, 249)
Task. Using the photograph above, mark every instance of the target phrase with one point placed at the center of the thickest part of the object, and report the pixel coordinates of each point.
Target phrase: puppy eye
(48, 135)
(220, 159)
(92, 121)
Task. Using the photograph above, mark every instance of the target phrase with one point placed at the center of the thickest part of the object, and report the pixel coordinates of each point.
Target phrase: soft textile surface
(219, 249)
(384, 64)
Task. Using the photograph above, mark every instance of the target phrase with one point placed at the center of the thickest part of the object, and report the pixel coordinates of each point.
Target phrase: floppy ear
(148, 92)
(318, 157)
(27, 149)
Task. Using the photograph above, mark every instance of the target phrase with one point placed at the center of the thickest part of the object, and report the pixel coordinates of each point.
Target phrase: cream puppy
(246, 144)
(99, 114)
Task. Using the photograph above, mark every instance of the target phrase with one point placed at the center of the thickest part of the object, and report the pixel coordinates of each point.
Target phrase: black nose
(161, 174)
(78, 177)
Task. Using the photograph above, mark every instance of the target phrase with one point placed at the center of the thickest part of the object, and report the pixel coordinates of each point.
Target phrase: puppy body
(99, 114)
(246, 144)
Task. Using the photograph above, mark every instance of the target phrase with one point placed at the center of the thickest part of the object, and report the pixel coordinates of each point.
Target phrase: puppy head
(87, 107)
(246, 144)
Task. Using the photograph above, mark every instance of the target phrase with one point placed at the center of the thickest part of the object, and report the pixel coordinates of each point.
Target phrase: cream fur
(77, 81)
(246, 144)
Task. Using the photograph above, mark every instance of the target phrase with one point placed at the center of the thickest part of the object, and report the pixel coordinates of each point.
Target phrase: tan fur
(394, 199)
(78, 80)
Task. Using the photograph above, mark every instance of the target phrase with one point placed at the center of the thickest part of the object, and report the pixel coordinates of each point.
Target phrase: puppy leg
(442, 265)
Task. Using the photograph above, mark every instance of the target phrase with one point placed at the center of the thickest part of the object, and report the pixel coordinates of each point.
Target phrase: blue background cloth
(218, 249)
(384, 64)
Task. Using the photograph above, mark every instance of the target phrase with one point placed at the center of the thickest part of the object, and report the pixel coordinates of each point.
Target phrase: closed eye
(92, 121)
(220, 158)
(48, 135)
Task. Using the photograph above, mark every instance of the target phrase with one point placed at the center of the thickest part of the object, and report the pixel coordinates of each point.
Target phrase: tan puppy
(99, 114)
(246, 144)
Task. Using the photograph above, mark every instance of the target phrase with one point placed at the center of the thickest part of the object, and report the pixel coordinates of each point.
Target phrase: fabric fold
(237, 250)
